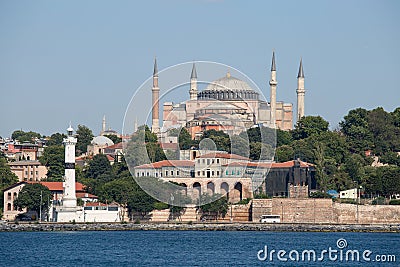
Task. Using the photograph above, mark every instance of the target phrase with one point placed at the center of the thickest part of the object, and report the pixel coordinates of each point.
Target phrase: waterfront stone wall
(310, 210)
(11, 227)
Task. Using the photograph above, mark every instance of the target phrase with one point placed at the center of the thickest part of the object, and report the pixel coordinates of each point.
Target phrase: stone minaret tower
(193, 84)
(103, 127)
(272, 84)
(300, 92)
(155, 124)
(69, 197)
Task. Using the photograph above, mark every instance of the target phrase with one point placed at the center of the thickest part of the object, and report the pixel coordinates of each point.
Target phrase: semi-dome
(228, 88)
(102, 141)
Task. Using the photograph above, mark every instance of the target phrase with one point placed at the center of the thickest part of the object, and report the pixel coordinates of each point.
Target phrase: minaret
(69, 197)
(135, 126)
(193, 84)
(300, 92)
(272, 84)
(103, 127)
(155, 124)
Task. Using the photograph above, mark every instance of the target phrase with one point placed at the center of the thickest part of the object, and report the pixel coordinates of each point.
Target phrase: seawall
(292, 227)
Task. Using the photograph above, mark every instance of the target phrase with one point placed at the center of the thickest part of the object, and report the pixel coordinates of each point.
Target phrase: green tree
(33, 197)
(240, 146)
(308, 126)
(220, 138)
(184, 139)
(283, 138)
(284, 153)
(100, 168)
(219, 206)
(53, 158)
(85, 137)
(356, 129)
(22, 136)
(56, 139)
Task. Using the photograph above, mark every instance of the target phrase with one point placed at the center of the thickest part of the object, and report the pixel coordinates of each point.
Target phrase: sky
(63, 61)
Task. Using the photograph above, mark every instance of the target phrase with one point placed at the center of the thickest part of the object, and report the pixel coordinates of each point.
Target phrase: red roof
(58, 186)
(98, 204)
(167, 163)
(273, 165)
(169, 145)
(115, 146)
(223, 155)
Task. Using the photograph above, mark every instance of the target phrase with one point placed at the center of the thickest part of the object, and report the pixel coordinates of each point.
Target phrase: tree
(56, 139)
(22, 136)
(308, 126)
(214, 204)
(53, 158)
(284, 153)
(99, 168)
(240, 146)
(356, 129)
(283, 137)
(184, 138)
(85, 137)
(220, 138)
(33, 197)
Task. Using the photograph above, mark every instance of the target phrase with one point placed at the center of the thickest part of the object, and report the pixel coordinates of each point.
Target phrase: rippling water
(184, 248)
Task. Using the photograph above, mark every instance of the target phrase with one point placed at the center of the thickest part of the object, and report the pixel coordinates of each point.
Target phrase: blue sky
(77, 60)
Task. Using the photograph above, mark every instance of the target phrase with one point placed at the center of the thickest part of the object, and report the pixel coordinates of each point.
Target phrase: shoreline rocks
(281, 227)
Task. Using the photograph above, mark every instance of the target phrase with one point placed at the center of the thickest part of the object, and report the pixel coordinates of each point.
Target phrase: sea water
(197, 248)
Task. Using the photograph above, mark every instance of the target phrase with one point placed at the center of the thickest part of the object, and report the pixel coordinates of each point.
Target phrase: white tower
(69, 198)
(300, 92)
(103, 126)
(193, 84)
(155, 91)
(272, 83)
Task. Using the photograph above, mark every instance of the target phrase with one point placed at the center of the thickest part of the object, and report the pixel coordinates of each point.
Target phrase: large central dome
(228, 88)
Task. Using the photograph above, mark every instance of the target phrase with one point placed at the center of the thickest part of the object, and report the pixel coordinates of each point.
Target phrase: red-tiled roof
(167, 163)
(115, 146)
(223, 155)
(287, 164)
(58, 186)
(98, 204)
(169, 145)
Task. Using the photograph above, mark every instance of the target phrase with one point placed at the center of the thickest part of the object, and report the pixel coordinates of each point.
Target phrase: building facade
(228, 104)
(231, 175)
(28, 170)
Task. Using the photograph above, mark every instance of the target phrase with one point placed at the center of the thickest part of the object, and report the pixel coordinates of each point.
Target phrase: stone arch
(225, 189)
(210, 188)
(196, 190)
(237, 192)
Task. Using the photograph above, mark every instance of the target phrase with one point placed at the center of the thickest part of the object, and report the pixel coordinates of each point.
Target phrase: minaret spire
(193, 83)
(301, 72)
(155, 91)
(103, 127)
(273, 83)
(300, 92)
(273, 65)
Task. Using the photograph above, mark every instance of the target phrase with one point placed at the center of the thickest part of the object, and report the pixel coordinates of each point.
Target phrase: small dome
(102, 141)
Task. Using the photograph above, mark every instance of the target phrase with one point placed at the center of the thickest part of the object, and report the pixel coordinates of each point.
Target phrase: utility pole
(40, 206)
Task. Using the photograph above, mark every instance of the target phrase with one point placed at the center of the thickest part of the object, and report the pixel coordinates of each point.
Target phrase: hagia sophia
(227, 104)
